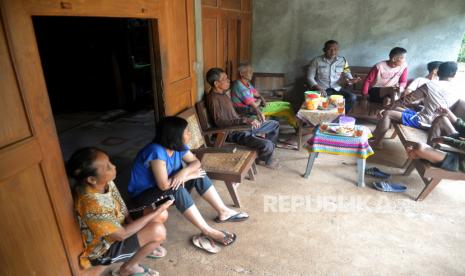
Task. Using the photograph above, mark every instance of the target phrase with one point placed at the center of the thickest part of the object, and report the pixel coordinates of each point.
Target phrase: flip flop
(384, 186)
(375, 172)
(228, 239)
(147, 272)
(160, 253)
(205, 243)
(241, 216)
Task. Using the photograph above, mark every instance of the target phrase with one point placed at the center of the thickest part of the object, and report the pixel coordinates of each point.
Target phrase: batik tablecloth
(318, 116)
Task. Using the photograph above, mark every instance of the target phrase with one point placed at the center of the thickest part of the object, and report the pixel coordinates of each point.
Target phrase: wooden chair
(430, 175)
(214, 136)
(229, 164)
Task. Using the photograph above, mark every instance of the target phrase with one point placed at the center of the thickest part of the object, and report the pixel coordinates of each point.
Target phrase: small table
(340, 145)
(314, 118)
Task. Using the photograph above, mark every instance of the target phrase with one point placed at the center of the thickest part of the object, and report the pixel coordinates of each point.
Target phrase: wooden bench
(430, 174)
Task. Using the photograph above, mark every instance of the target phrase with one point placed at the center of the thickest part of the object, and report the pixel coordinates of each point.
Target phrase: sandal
(384, 186)
(147, 272)
(228, 239)
(158, 253)
(375, 172)
(234, 218)
(203, 242)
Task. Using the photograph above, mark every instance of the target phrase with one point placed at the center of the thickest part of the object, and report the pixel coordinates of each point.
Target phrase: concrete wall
(288, 33)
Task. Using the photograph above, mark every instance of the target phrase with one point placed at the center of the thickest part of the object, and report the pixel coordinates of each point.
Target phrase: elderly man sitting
(244, 97)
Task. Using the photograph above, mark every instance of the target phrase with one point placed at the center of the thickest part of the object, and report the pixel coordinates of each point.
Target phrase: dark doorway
(103, 78)
(95, 65)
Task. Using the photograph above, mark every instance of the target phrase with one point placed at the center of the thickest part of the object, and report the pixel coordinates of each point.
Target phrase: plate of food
(341, 130)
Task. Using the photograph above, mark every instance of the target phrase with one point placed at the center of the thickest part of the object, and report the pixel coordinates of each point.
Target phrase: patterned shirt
(242, 94)
(327, 73)
(99, 215)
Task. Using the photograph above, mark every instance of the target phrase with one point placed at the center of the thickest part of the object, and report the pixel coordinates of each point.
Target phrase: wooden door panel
(13, 118)
(177, 35)
(247, 5)
(31, 243)
(178, 58)
(211, 3)
(31, 161)
(233, 29)
(231, 4)
(210, 39)
(245, 38)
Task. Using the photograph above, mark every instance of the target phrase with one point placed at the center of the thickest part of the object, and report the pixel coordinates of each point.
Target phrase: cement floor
(324, 225)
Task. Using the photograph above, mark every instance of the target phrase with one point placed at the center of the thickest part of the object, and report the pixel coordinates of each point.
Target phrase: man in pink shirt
(387, 78)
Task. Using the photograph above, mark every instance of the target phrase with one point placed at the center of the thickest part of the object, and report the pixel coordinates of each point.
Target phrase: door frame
(177, 82)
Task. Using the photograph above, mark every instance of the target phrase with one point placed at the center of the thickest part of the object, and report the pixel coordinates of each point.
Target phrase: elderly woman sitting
(244, 97)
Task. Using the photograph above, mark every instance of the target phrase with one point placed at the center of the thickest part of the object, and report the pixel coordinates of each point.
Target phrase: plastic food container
(334, 99)
(312, 94)
(312, 104)
(347, 121)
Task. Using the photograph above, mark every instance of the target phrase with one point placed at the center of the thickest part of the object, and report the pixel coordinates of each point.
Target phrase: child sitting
(108, 232)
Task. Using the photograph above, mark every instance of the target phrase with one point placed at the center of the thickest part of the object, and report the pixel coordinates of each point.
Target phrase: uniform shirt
(327, 73)
(142, 177)
(99, 215)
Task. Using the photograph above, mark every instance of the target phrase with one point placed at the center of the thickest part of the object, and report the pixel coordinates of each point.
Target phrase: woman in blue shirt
(158, 170)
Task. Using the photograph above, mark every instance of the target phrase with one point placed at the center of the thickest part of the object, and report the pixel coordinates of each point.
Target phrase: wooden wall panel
(13, 118)
(29, 229)
(211, 3)
(231, 4)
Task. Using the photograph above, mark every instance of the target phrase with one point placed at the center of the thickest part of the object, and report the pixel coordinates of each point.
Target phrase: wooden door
(39, 232)
(233, 27)
(31, 243)
(226, 34)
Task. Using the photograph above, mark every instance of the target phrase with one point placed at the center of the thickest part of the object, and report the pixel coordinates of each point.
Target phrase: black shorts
(374, 95)
(119, 251)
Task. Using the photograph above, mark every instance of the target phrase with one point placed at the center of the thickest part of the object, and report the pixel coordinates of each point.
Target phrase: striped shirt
(242, 94)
